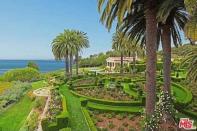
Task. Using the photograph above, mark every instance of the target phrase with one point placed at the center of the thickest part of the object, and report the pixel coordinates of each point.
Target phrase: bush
(23, 74)
(33, 65)
(14, 93)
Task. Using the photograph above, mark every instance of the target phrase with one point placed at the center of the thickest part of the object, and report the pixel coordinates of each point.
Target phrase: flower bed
(115, 94)
(113, 121)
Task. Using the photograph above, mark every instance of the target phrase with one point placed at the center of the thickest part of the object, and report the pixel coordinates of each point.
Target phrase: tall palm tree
(119, 42)
(171, 20)
(81, 42)
(60, 49)
(119, 9)
(173, 17)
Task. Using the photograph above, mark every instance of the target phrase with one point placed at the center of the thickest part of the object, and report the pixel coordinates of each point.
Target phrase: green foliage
(31, 123)
(133, 109)
(13, 94)
(182, 95)
(73, 103)
(61, 120)
(23, 74)
(88, 119)
(109, 102)
(32, 64)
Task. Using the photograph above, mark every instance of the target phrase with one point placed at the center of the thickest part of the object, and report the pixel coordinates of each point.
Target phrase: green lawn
(13, 118)
(77, 121)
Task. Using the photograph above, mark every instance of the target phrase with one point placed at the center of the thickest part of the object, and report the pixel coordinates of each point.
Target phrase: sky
(27, 27)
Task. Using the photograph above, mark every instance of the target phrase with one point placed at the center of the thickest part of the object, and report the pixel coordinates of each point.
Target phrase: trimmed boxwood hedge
(189, 113)
(88, 119)
(104, 107)
(188, 97)
(61, 120)
(108, 102)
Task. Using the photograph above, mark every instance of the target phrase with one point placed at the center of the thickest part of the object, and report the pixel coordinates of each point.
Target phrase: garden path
(77, 119)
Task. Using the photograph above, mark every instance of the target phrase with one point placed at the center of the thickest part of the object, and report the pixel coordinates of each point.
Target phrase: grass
(77, 120)
(14, 117)
(133, 109)
(128, 91)
(4, 86)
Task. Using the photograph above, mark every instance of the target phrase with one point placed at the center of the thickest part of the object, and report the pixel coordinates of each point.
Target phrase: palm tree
(134, 49)
(81, 42)
(119, 9)
(119, 43)
(173, 17)
(191, 27)
(191, 61)
(171, 20)
(60, 49)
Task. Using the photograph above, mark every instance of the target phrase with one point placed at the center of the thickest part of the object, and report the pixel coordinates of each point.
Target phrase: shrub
(33, 65)
(23, 74)
(14, 93)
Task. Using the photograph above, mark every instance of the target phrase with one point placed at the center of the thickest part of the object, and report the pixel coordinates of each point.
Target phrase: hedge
(187, 98)
(189, 113)
(108, 102)
(60, 122)
(88, 119)
(75, 82)
(132, 109)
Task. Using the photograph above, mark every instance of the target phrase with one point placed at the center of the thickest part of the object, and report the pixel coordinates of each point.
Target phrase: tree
(191, 27)
(119, 9)
(61, 47)
(67, 45)
(81, 42)
(191, 62)
(32, 64)
(119, 42)
(135, 50)
(172, 18)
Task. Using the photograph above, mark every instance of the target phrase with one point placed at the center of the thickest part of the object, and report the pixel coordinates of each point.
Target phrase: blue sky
(27, 27)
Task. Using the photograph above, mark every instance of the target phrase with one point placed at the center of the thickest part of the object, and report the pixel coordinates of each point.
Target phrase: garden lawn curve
(14, 117)
(77, 120)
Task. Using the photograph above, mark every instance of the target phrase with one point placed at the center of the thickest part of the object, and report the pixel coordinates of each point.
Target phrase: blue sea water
(44, 65)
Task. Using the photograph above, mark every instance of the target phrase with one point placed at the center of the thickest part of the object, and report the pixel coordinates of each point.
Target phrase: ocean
(44, 65)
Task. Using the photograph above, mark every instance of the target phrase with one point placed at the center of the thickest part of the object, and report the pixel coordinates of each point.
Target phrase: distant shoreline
(44, 65)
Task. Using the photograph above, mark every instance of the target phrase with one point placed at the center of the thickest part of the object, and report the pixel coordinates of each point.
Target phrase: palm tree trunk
(151, 47)
(66, 65)
(77, 63)
(134, 61)
(166, 45)
(121, 63)
(71, 63)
